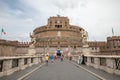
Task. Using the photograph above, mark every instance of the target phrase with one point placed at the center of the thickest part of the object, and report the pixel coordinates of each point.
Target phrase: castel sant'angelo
(58, 34)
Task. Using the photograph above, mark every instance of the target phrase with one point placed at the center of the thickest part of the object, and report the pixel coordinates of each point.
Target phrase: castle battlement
(14, 43)
(23, 44)
(97, 43)
(113, 38)
(8, 43)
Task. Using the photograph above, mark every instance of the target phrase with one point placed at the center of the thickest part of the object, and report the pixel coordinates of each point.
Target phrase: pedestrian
(55, 57)
(46, 59)
(83, 59)
(80, 59)
(52, 58)
(61, 57)
(70, 58)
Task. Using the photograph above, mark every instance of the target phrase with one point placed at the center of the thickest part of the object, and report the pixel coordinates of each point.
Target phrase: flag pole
(1, 34)
(112, 31)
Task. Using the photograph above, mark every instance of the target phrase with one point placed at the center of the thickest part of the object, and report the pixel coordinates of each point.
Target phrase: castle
(59, 34)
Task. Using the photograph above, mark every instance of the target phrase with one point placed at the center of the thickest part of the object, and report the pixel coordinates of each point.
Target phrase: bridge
(33, 68)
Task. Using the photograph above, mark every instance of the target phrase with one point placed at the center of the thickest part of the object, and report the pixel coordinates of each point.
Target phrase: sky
(19, 18)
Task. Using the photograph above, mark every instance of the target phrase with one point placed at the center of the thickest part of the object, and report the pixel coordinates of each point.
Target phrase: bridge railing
(8, 65)
(110, 64)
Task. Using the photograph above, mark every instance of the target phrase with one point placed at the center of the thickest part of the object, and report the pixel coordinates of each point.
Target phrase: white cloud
(28, 20)
(96, 16)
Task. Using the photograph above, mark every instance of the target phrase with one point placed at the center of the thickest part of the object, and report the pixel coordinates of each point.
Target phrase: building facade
(13, 48)
(58, 34)
(113, 45)
(109, 47)
(97, 46)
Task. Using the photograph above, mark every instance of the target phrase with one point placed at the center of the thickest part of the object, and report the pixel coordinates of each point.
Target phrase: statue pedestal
(31, 52)
(86, 50)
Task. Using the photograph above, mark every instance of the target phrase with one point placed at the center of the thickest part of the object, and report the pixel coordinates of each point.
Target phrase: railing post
(7, 66)
(109, 65)
(39, 60)
(97, 62)
(21, 63)
(35, 60)
(88, 61)
(29, 62)
(116, 66)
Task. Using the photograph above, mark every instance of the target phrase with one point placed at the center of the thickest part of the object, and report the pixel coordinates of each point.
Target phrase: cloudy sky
(20, 17)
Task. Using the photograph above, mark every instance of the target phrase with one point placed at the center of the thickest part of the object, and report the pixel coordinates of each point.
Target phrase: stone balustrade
(110, 64)
(8, 65)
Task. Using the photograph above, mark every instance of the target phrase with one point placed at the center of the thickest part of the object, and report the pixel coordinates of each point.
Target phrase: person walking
(80, 59)
(61, 57)
(52, 58)
(55, 57)
(46, 59)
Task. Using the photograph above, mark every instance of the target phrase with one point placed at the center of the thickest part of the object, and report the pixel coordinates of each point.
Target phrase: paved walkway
(101, 73)
(61, 71)
(65, 70)
(19, 73)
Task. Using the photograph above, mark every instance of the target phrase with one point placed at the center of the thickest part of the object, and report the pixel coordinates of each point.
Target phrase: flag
(112, 31)
(2, 31)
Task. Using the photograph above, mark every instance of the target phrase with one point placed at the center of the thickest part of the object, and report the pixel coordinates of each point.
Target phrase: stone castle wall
(58, 33)
(12, 48)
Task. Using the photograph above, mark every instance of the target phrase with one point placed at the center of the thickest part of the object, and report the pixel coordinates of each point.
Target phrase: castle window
(80, 29)
(55, 22)
(92, 48)
(60, 21)
(65, 23)
(58, 42)
(50, 23)
(58, 26)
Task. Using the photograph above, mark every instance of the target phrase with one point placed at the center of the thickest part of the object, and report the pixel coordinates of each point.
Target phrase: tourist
(46, 59)
(61, 57)
(80, 59)
(52, 58)
(55, 57)
(70, 58)
(83, 59)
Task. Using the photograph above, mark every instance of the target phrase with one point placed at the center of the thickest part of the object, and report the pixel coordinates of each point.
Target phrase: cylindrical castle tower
(58, 33)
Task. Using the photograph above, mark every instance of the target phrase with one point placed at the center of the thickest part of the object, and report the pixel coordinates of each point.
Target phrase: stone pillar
(88, 61)
(35, 60)
(97, 62)
(7, 67)
(109, 65)
(31, 52)
(29, 62)
(40, 59)
(86, 50)
(21, 63)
